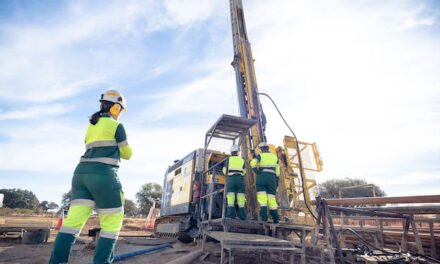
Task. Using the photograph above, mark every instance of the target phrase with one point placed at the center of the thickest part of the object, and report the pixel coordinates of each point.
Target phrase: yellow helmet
(114, 97)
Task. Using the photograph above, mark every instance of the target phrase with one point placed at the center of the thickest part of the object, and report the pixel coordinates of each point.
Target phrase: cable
(385, 251)
(297, 150)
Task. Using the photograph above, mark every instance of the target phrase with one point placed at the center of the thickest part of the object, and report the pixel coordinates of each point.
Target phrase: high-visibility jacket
(235, 166)
(106, 142)
(266, 162)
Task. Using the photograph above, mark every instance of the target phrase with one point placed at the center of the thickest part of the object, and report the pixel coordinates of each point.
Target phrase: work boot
(242, 213)
(275, 217)
(263, 213)
(230, 213)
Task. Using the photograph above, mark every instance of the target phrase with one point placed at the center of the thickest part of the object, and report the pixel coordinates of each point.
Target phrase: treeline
(148, 194)
(24, 202)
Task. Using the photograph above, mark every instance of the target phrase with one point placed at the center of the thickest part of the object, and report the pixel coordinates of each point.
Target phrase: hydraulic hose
(297, 150)
(138, 252)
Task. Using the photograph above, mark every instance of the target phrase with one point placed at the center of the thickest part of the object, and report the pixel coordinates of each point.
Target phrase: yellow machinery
(194, 185)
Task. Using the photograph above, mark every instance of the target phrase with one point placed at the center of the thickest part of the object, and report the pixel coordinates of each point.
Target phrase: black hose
(297, 150)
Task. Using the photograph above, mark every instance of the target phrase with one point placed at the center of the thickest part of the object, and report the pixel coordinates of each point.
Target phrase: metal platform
(230, 127)
(234, 243)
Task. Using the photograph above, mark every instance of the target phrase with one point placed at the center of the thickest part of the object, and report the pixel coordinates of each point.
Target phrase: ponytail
(105, 107)
(95, 117)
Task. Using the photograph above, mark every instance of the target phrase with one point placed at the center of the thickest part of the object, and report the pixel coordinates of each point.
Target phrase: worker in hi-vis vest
(95, 183)
(267, 169)
(235, 184)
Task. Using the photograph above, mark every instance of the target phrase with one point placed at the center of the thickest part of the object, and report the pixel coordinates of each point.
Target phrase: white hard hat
(114, 97)
(235, 148)
(263, 144)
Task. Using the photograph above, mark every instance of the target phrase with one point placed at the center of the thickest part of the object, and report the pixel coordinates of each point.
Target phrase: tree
(65, 199)
(130, 208)
(44, 205)
(18, 198)
(53, 205)
(330, 188)
(148, 191)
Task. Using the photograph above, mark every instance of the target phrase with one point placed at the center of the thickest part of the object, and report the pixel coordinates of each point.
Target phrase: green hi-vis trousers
(266, 191)
(93, 185)
(235, 186)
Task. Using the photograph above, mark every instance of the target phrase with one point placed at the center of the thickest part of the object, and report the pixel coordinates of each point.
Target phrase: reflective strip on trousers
(108, 234)
(230, 198)
(84, 202)
(109, 161)
(269, 170)
(102, 143)
(110, 210)
(272, 202)
(241, 200)
(70, 230)
(262, 198)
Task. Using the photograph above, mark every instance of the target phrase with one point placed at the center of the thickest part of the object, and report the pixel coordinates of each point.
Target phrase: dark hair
(105, 108)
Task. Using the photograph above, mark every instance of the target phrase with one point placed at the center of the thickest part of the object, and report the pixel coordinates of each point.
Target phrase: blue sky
(360, 78)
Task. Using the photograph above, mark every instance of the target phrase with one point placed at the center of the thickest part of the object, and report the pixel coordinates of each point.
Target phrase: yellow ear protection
(115, 109)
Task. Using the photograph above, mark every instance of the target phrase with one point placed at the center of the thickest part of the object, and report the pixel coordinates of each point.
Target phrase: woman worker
(95, 183)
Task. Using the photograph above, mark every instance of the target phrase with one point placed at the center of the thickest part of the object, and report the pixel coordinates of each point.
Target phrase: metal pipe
(365, 212)
(188, 258)
(138, 252)
(384, 200)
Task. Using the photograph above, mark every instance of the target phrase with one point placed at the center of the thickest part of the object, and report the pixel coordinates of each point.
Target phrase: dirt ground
(13, 251)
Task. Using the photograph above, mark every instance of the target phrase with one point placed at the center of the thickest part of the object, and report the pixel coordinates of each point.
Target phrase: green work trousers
(235, 187)
(95, 186)
(266, 191)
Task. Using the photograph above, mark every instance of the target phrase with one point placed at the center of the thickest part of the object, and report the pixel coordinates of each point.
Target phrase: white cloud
(45, 59)
(35, 112)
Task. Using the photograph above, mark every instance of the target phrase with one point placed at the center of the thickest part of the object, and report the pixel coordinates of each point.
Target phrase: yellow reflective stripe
(102, 143)
(109, 161)
(111, 222)
(70, 230)
(272, 202)
(230, 197)
(262, 198)
(110, 235)
(77, 216)
(110, 210)
(84, 202)
(241, 200)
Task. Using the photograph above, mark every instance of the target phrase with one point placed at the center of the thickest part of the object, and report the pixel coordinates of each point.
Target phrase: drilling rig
(193, 189)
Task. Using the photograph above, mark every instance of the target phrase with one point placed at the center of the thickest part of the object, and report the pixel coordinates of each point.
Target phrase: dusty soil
(13, 251)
